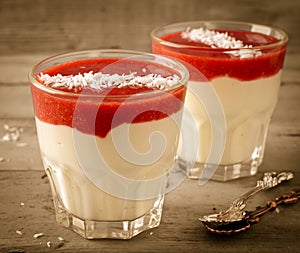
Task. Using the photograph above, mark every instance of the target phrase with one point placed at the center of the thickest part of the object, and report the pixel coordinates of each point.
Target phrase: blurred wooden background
(39, 26)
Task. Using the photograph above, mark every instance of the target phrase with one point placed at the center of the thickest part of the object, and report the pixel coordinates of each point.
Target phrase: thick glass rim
(278, 33)
(107, 53)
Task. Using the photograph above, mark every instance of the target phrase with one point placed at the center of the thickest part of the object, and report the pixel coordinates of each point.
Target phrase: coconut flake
(244, 53)
(12, 133)
(99, 81)
(19, 232)
(213, 39)
(60, 238)
(38, 235)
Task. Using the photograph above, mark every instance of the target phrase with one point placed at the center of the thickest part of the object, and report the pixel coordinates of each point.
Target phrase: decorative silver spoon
(235, 218)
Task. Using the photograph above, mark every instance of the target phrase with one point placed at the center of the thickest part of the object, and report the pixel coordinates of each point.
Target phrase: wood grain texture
(55, 26)
(180, 230)
(32, 30)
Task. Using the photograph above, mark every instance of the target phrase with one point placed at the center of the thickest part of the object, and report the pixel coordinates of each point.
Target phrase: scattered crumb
(13, 134)
(22, 144)
(19, 232)
(2, 159)
(277, 210)
(5, 138)
(38, 235)
(49, 244)
(22, 204)
(151, 233)
(60, 238)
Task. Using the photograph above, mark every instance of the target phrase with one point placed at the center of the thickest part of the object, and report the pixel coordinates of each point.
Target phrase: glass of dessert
(108, 125)
(242, 64)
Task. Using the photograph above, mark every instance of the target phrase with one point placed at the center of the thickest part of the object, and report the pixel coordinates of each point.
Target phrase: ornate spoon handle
(285, 199)
(269, 180)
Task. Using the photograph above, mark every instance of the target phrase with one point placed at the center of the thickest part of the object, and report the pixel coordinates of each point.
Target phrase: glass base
(111, 229)
(223, 172)
(125, 229)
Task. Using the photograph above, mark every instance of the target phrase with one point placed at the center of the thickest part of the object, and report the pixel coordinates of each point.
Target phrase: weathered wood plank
(15, 68)
(179, 231)
(15, 102)
(55, 26)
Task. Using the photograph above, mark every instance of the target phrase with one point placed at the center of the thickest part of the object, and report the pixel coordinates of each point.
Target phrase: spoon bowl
(235, 219)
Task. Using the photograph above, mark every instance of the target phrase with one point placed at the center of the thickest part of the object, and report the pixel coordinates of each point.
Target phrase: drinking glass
(235, 74)
(108, 124)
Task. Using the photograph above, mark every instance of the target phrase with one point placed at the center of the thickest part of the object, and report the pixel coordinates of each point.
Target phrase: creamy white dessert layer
(247, 106)
(78, 193)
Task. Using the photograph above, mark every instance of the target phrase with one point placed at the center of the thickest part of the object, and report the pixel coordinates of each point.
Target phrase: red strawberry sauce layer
(214, 63)
(91, 112)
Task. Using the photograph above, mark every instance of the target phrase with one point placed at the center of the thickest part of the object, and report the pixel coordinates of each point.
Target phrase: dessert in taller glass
(242, 63)
(108, 124)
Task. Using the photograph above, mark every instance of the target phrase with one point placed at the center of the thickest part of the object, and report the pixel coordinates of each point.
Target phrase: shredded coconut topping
(245, 53)
(99, 81)
(213, 39)
(216, 39)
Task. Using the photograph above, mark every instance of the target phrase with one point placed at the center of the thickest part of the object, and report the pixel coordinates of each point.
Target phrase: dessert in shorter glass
(242, 63)
(108, 124)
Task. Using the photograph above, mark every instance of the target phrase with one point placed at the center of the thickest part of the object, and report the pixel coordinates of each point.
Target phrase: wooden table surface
(32, 30)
